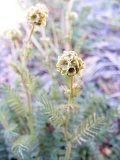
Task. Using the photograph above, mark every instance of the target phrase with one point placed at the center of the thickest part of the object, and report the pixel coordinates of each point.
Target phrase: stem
(28, 97)
(24, 83)
(68, 151)
(70, 100)
(65, 131)
(31, 32)
(65, 125)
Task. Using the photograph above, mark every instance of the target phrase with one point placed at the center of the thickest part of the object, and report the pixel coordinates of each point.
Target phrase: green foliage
(48, 139)
(24, 147)
(3, 147)
(54, 113)
(38, 127)
(88, 128)
(13, 100)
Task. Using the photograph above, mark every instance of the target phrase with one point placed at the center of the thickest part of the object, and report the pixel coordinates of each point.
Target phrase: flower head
(73, 16)
(70, 64)
(14, 34)
(37, 14)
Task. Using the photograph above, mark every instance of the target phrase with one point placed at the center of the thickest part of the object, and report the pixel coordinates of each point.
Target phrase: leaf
(88, 128)
(24, 146)
(13, 100)
(3, 147)
(53, 113)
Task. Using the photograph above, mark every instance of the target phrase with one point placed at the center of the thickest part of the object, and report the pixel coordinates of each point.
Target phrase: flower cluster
(70, 64)
(37, 14)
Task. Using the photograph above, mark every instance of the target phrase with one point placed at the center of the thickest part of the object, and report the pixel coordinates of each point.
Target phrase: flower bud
(14, 34)
(73, 16)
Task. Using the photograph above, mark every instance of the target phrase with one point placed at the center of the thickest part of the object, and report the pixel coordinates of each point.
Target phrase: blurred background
(96, 37)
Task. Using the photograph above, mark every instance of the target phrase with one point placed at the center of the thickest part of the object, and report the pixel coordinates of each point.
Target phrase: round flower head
(37, 14)
(14, 34)
(70, 64)
(73, 16)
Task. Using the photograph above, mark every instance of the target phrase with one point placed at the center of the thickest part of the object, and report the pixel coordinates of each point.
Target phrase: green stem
(31, 32)
(68, 151)
(28, 97)
(70, 100)
(66, 134)
(65, 125)
(65, 131)
(24, 83)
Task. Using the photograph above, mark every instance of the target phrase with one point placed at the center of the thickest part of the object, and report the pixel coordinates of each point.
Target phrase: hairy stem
(65, 125)
(28, 94)
(66, 133)
(68, 151)
(28, 97)
(31, 32)
(70, 100)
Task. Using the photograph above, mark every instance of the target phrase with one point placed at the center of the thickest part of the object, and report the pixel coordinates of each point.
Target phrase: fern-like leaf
(24, 146)
(4, 155)
(88, 128)
(53, 113)
(14, 100)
